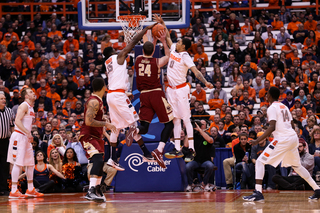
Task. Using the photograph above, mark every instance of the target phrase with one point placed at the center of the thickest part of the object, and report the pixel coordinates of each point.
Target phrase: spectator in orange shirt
(54, 32)
(54, 61)
(293, 25)
(201, 55)
(77, 76)
(200, 94)
(305, 63)
(283, 95)
(251, 91)
(288, 49)
(53, 95)
(310, 24)
(23, 57)
(7, 40)
(71, 99)
(28, 43)
(216, 102)
(106, 42)
(43, 86)
(193, 49)
(4, 53)
(215, 123)
(270, 42)
(120, 45)
(43, 73)
(276, 24)
(12, 33)
(70, 40)
(247, 29)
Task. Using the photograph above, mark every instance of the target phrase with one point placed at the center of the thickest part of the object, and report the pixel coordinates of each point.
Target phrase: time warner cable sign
(140, 176)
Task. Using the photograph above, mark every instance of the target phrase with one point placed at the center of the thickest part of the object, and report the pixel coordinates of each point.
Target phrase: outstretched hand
(163, 34)
(151, 26)
(209, 85)
(157, 19)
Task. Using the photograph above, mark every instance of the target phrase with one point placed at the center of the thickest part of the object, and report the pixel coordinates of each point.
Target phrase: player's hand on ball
(111, 127)
(209, 85)
(163, 34)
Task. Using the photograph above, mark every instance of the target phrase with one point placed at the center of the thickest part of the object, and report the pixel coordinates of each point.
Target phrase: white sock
(30, 185)
(93, 182)
(189, 130)
(161, 146)
(259, 187)
(29, 172)
(98, 181)
(14, 187)
(191, 143)
(177, 133)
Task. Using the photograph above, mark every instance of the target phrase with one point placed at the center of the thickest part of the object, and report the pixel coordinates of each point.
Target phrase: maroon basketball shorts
(92, 145)
(152, 102)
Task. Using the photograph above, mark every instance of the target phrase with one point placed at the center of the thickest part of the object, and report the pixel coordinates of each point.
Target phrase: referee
(6, 127)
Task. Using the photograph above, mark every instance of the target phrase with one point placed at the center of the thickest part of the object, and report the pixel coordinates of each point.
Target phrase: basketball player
(20, 152)
(122, 112)
(284, 146)
(152, 98)
(178, 92)
(90, 137)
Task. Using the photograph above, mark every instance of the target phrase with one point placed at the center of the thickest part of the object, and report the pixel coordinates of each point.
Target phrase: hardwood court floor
(166, 202)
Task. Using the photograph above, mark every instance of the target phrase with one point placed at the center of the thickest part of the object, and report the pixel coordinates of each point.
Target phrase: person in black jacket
(243, 161)
(219, 58)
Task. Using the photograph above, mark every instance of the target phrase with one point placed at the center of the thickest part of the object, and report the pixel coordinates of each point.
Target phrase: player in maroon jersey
(152, 98)
(91, 137)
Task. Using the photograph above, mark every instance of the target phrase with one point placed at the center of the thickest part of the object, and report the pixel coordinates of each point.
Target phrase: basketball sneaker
(256, 196)
(99, 192)
(316, 195)
(209, 188)
(33, 193)
(158, 156)
(17, 195)
(115, 164)
(92, 195)
(190, 156)
(174, 154)
(189, 188)
(130, 134)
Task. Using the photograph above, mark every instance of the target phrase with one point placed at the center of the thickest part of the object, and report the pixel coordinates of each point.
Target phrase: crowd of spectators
(59, 61)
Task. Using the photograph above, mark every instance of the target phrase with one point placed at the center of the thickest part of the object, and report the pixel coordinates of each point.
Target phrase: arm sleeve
(188, 60)
(272, 114)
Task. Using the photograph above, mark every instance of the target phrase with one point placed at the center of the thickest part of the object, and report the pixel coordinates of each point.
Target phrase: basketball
(156, 29)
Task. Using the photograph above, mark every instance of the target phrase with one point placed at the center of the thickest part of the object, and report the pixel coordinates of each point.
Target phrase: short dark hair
(243, 135)
(24, 92)
(97, 84)
(148, 48)
(274, 92)
(187, 43)
(107, 52)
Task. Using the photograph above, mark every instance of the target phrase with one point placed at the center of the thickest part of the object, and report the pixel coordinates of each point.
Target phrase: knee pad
(97, 165)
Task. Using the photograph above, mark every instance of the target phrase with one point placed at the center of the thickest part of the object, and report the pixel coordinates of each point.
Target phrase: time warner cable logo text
(135, 160)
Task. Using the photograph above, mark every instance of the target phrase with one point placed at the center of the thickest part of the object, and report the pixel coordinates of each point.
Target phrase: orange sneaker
(17, 195)
(33, 193)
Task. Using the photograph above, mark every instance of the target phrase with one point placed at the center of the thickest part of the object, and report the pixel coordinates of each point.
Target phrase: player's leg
(15, 173)
(31, 192)
(190, 156)
(143, 129)
(113, 161)
(176, 152)
(94, 192)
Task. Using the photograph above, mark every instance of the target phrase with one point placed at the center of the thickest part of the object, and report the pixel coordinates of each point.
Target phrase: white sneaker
(115, 164)
(189, 188)
(209, 188)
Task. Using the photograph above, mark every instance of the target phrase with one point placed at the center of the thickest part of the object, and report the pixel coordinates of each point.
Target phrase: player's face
(179, 46)
(31, 95)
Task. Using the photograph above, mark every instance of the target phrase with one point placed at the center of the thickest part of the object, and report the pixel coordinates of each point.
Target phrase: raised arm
(123, 54)
(92, 109)
(159, 20)
(164, 60)
(199, 76)
(56, 172)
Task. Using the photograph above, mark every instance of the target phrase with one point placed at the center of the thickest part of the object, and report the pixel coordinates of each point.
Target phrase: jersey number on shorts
(285, 115)
(145, 69)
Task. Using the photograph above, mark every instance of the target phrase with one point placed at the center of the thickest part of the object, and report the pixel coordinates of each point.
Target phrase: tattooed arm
(92, 109)
(199, 76)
